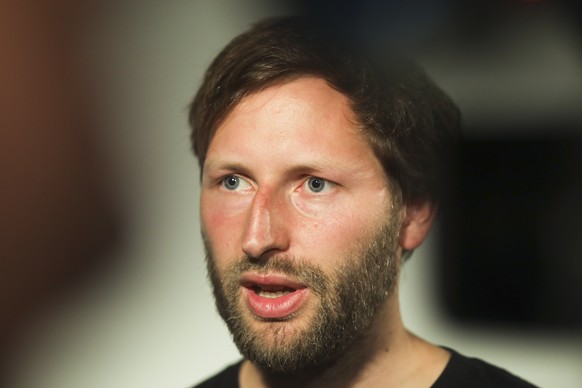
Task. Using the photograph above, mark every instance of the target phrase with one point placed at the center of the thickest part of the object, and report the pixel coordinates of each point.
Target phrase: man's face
(299, 226)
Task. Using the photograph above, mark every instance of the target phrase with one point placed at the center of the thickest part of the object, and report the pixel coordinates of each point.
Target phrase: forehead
(297, 118)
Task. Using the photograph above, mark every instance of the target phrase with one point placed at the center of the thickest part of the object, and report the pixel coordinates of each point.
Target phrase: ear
(418, 218)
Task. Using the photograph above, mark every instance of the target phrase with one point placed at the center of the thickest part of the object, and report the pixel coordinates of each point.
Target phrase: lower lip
(275, 308)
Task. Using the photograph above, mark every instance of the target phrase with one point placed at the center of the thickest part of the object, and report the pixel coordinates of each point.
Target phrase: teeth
(272, 294)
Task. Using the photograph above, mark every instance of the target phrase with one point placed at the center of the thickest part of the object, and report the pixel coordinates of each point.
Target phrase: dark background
(511, 251)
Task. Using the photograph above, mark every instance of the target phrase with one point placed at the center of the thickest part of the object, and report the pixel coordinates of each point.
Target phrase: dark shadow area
(511, 247)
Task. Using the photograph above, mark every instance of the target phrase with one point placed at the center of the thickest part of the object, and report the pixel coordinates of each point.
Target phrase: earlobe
(417, 221)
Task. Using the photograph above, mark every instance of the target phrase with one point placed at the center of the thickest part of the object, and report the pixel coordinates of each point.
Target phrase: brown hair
(407, 120)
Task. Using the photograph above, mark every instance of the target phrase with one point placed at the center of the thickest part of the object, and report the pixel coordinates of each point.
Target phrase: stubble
(348, 300)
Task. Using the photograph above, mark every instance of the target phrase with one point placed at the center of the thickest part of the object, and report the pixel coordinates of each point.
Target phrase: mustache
(305, 272)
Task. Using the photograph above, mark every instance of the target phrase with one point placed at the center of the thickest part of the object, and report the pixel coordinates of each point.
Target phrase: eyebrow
(301, 168)
(218, 165)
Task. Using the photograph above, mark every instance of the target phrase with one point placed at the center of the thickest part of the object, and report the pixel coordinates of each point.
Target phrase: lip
(280, 307)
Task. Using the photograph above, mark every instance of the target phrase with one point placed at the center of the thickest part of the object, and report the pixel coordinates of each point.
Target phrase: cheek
(332, 229)
(332, 233)
(223, 222)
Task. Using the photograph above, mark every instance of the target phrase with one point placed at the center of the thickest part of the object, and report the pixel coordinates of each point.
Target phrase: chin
(278, 346)
(283, 332)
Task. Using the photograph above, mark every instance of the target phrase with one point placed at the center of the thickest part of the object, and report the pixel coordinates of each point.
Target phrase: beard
(349, 299)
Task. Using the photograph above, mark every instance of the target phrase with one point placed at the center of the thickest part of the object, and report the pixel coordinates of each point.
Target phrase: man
(320, 175)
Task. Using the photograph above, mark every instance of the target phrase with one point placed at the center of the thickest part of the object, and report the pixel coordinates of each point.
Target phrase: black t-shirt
(460, 372)
(463, 371)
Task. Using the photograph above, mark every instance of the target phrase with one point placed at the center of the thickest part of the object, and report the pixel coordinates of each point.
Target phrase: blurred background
(102, 273)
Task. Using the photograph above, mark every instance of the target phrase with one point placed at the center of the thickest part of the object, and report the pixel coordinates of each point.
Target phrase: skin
(275, 141)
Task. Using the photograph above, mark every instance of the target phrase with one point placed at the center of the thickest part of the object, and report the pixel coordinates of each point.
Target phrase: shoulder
(227, 378)
(463, 371)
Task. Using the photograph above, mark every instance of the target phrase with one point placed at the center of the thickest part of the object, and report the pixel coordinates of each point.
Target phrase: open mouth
(272, 285)
(273, 296)
(272, 291)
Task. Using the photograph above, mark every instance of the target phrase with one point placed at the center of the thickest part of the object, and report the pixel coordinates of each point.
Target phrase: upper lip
(274, 280)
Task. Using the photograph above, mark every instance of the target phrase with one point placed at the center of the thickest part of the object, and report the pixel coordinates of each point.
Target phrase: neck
(386, 355)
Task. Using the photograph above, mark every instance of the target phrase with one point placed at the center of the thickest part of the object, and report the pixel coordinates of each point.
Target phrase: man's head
(318, 170)
(407, 120)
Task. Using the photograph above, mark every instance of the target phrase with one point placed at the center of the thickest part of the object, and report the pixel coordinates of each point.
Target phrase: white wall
(150, 320)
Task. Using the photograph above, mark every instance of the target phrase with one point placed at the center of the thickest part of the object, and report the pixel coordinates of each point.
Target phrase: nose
(265, 230)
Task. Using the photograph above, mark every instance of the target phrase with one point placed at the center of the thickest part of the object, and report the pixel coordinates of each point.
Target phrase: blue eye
(235, 183)
(231, 182)
(316, 184)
